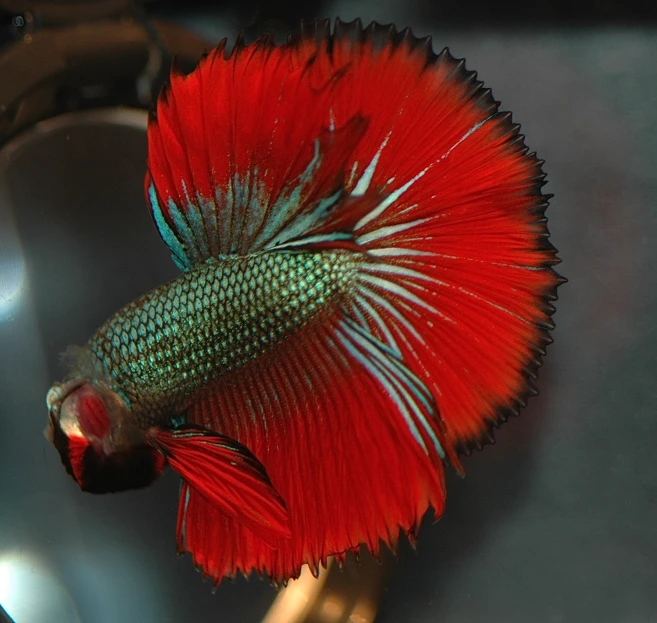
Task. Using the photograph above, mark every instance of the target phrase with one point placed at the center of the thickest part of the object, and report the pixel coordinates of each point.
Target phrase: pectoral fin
(223, 475)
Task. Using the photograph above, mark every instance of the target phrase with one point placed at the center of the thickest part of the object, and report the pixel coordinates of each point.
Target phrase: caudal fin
(461, 275)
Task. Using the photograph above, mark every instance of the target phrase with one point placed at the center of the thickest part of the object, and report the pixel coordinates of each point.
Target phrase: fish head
(89, 424)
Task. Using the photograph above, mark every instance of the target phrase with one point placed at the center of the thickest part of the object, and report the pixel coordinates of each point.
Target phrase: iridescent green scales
(164, 347)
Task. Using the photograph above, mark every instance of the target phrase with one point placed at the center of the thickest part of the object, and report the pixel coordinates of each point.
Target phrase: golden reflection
(349, 595)
(364, 612)
(332, 609)
(294, 601)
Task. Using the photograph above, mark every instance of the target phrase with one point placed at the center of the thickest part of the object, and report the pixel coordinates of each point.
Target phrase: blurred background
(555, 523)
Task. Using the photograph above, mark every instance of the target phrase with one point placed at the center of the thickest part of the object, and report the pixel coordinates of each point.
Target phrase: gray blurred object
(557, 523)
(75, 236)
(70, 55)
(77, 241)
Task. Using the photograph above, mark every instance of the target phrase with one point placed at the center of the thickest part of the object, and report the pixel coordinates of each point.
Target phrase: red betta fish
(365, 292)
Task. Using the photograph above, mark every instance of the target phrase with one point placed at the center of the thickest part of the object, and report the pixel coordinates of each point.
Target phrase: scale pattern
(166, 346)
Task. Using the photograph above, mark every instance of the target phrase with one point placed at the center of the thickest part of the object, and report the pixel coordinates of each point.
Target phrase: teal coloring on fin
(171, 240)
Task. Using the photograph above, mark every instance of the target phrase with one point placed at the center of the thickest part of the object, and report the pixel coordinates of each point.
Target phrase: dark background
(555, 523)
(467, 13)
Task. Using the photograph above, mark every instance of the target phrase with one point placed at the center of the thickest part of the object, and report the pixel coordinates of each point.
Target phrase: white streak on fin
(364, 182)
(390, 230)
(183, 527)
(412, 398)
(380, 323)
(399, 291)
(311, 240)
(393, 311)
(385, 383)
(495, 305)
(389, 200)
(472, 130)
(403, 271)
(399, 252)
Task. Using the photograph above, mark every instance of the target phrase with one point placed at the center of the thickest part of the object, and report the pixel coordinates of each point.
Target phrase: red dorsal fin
(221, 474)
(284, 172)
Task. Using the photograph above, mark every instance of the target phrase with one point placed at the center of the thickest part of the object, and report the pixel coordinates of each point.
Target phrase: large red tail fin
(461, 277)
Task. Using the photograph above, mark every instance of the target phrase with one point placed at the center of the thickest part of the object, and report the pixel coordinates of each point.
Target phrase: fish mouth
(58, 393)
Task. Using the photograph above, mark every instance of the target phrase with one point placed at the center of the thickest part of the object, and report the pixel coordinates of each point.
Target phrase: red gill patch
(77, 448)
(92, 414)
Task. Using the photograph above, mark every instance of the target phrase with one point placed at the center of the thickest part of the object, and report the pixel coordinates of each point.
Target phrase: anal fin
(348, 435)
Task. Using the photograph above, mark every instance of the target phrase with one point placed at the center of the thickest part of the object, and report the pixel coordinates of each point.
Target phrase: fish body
(164, 348)
(366, 291)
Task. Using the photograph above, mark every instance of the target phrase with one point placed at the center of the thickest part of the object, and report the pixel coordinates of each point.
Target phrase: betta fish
(365, 293)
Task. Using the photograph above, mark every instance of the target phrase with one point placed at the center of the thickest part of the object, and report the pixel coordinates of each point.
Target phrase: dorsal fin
(244, 153)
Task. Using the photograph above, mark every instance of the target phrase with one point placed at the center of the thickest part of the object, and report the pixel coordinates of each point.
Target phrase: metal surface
(556, 523)
(77, 242)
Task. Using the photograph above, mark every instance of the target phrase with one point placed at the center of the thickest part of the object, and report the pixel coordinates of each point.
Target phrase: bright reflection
(12, 265)
(30, 593)
(364, 612)
(332, 610)
(12, 285)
